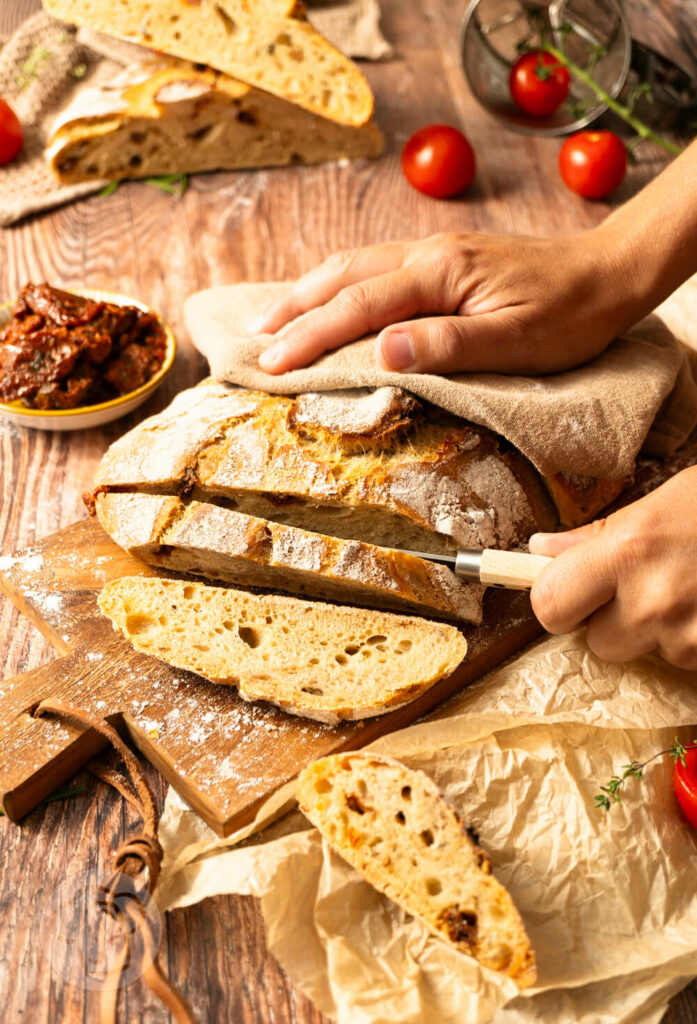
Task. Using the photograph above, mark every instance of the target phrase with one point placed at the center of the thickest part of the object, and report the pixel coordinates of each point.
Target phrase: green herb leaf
(79, 71)
(110, 188)
(173, 184)
(29, 69)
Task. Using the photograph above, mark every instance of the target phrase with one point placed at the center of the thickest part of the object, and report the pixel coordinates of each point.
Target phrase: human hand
(632, 577)
(487, 302)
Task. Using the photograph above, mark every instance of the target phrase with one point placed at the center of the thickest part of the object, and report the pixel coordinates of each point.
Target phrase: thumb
(554, 543)
(450, 344)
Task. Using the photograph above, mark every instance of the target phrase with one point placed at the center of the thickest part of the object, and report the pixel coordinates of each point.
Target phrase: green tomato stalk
(643, 131)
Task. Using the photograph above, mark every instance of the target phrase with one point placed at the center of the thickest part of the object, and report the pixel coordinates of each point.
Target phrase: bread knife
(514, 570)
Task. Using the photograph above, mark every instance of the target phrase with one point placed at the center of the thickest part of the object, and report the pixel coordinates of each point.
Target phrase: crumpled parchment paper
(609, 899)
(606, 898)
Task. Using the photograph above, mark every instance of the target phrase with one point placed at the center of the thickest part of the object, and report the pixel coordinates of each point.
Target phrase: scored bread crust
(370, 465)
(394, 826)
(268, 44)
(165, 117)
(205, 539)
(319, 661)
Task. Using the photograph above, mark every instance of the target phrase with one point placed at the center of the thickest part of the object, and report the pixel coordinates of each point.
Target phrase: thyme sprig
(610, 793)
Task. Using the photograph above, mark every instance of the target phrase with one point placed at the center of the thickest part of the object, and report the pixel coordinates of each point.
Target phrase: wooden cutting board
(222, 755)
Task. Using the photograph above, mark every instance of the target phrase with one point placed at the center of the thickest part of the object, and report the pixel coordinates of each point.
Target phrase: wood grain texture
(232, 227)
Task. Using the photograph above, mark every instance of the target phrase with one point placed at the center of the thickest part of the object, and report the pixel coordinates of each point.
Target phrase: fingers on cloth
(452, 344)
(357, 310)
(327, 279)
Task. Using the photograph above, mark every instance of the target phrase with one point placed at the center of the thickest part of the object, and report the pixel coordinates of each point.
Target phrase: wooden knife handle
(515, 570)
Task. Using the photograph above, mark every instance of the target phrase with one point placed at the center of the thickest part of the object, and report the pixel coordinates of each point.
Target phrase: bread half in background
(395, 827)
(169, 117)
(269, 44)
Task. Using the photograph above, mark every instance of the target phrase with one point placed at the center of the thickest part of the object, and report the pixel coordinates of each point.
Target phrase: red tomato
(685, 785)
(593, 164)
(11, 137)
(538, 83)
(439, 161)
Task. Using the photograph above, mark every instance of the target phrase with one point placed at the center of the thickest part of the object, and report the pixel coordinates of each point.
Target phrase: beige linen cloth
(609, 900)
(45, 61)
(640, 394)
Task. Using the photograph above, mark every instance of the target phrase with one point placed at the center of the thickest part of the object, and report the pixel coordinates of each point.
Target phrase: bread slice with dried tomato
(267, 43)
(395, 827)
(318, 661)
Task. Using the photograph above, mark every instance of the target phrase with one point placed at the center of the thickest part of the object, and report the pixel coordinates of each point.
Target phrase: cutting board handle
(515, 570)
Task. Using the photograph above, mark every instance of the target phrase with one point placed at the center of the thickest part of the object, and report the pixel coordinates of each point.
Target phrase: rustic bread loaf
(394, 826)
(207, 540)
(370, 465)
(167, 117)
(266, 43)
(314, 660)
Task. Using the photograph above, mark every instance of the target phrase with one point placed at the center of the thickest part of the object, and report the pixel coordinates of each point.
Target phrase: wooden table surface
(265, 225)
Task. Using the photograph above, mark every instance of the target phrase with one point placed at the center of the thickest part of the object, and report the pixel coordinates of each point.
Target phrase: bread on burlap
(315, 660)
(207, 540)
(167, 117)
(376, 466)
(394, 826)
(267, 43)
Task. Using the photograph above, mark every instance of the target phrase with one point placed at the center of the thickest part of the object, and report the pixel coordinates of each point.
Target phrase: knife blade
(514, 570)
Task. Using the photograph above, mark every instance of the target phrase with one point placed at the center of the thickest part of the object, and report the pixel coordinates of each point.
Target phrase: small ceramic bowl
(86, 416)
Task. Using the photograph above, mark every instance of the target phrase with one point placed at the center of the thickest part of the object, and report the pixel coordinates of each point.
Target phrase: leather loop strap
(127, 895)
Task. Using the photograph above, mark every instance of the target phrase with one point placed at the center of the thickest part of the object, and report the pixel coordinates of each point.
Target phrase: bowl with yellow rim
(85, 416)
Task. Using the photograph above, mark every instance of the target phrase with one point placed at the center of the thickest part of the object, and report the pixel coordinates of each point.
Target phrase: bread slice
(318, 661)
(394, 826)
(167, 117)
(266, 43)
(374, 465)
(219, 544)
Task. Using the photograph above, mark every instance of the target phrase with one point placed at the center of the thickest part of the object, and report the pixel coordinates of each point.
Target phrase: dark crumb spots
(247, 117)
(461, 925)
(399, 816)
(354, 803)
(406, 792)
(474, 836)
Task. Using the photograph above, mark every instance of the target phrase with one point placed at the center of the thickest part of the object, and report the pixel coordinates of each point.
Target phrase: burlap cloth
(45, 61)
(640, 394)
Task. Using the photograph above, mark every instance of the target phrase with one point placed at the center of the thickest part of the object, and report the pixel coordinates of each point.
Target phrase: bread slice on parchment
(315, 660)
(393, 825)
(208, 540)
(267, 43)
(169, 117)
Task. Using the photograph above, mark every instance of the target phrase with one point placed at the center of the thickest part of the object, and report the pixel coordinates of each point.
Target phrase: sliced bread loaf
(166, 117)
(394, 826)
(266, 43)
(370, 465)
(219, 544)
(318, 661)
